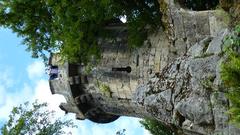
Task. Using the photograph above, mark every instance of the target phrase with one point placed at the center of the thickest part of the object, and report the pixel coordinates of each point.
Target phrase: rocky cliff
(188, 93)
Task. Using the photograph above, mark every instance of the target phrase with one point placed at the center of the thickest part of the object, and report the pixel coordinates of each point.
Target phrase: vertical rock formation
(173, 78)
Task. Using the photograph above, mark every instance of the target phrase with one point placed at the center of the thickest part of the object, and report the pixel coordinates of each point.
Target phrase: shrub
(155, 127)
(230, 74)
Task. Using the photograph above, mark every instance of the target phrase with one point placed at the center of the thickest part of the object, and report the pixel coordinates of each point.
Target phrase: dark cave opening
(198, 5)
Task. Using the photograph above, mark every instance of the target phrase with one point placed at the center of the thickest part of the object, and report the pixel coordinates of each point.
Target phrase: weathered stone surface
(190, 26)
(214, 44)
(187, 92)
(218, 20)
(196, 109)
(178, 25)
(181, 47)
(198, 49)
(202, 27)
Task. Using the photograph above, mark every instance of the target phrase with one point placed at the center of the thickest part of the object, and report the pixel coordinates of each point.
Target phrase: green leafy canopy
(230, 74)
(34, 119)
(73, 26)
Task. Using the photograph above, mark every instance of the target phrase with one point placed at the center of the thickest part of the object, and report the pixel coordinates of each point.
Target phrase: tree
(73, 27)
(155, 127)
(34, 120)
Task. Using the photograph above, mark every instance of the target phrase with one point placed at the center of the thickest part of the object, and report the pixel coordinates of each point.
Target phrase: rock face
(188, 94)
(174, 77)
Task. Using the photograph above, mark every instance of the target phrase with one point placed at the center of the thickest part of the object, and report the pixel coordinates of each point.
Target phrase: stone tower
(164, 79)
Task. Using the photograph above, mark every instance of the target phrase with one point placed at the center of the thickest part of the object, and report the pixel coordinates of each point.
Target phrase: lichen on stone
(104, 89)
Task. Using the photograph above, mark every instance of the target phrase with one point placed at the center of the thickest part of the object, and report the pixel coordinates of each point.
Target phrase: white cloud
(146, 132)
(9, 98)
(43, 94)
(12, 95)
(2, 95)
(14, 99)
(36, 70)
(130, 124)
(81, 130)
(6, 78)
(97, 130)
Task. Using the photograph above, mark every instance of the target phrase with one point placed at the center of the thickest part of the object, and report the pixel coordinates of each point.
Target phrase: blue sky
(23, 78)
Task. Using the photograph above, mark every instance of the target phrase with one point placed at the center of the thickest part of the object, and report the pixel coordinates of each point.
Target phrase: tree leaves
(230, 74)
(34, 119)
(155, 127)
(73, 27)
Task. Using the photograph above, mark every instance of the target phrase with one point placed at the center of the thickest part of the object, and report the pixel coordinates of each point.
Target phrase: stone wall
(143, 61)
(61, 85)
(161, 48)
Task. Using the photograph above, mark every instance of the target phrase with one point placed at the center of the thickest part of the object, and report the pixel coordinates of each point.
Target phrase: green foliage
(231, 71)
(155, 127)
(34, 119)
(231, 74)
(88, 68)
(105, 89)
(73, 26)
(231, 67)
